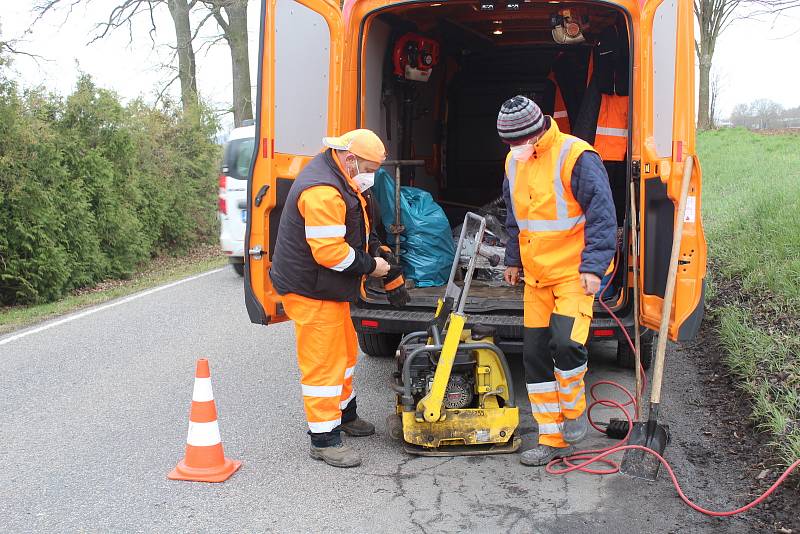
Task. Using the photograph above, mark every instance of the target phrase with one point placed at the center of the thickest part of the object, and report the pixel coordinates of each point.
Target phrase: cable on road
(581, 460)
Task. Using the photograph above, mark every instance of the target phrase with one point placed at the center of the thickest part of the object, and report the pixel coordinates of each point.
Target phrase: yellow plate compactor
(455, 394)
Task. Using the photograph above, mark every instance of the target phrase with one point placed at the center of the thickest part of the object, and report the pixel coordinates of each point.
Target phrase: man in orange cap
(322, 253)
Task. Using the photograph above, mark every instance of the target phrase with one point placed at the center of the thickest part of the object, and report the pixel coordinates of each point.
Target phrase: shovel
(636, 462)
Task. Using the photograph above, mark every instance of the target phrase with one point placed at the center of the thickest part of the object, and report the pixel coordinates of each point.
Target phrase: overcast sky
(754, 59)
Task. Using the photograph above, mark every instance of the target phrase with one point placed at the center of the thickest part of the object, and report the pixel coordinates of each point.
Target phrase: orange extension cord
(581, 460)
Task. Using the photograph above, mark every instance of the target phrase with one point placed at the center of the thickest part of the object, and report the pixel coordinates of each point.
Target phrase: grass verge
(159, 271)
(751, 200)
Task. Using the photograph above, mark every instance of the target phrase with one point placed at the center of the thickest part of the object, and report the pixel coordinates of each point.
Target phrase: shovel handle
(637, 336)
(669, 292)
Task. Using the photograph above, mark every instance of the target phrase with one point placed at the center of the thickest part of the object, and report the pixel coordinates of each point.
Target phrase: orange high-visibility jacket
(321, 248)
(611, 137)
(550, 219)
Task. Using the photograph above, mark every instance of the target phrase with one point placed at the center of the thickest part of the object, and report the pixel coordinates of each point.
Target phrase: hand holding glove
(393, 283)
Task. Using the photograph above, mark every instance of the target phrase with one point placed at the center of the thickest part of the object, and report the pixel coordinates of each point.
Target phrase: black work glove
(393, 283)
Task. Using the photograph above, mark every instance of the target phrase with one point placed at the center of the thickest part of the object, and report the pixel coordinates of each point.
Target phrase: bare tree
(231, 16)
(761, 114)
(714, 17)
(767, 112)
(123, 15)
(184, 48)
(716, 90)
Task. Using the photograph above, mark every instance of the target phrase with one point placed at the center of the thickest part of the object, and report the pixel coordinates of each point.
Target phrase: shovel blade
(641, 464)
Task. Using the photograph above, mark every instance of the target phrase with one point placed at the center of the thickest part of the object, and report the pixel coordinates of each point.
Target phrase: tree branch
(10, 47)
(201, 24)
(215, 7)
(163, 91)
(211, 42)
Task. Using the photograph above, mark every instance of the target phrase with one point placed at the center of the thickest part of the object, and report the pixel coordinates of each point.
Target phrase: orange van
(326, 69)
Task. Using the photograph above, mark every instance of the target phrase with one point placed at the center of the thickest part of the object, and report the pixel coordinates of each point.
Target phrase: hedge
(90, 188)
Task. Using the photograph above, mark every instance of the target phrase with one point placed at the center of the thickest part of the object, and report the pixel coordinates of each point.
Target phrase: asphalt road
(95, 411)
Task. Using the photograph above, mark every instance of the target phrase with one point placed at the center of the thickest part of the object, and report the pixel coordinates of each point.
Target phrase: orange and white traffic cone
(205, 460)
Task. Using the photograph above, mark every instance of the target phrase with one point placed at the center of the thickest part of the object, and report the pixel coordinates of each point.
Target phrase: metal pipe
(413, 335)
(403, 163)
(408, 398)
(397, 228)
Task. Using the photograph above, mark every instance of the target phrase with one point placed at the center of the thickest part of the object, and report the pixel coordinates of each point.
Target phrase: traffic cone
(205, 460)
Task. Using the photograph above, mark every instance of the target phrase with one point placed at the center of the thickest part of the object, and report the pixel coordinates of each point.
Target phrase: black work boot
(544, 454)
(339, 455)
(358, 428)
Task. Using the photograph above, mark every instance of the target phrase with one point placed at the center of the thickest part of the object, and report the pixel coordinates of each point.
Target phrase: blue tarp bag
(426, 245)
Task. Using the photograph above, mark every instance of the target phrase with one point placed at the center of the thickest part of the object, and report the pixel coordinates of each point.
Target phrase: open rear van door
(668, 134)
(299, 80)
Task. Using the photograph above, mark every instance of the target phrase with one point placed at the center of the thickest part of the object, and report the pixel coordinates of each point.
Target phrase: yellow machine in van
(429, 77)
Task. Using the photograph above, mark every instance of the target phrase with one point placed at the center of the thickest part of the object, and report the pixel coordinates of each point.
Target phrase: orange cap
(363, 143)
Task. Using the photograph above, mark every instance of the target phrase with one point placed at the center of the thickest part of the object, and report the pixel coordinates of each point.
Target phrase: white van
(236, 158)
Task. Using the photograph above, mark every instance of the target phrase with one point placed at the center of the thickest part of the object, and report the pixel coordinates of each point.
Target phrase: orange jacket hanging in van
(611, 138)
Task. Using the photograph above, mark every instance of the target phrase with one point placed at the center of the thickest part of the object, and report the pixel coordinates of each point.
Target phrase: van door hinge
(636, 168)
(256, 252)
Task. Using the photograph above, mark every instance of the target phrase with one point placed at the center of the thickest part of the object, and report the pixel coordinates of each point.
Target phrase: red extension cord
(581, 460)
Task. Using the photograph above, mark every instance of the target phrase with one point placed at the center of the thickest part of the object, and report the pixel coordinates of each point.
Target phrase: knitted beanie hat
(519, 118)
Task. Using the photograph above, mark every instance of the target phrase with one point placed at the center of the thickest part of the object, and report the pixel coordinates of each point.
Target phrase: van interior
(488, 52)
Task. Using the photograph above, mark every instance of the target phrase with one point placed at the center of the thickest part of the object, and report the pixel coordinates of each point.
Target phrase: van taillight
(603, 332)
(223, 206)
(369, 324)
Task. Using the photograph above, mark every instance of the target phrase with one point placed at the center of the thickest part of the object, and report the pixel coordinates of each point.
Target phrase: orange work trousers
(557, 320)
(327, 348)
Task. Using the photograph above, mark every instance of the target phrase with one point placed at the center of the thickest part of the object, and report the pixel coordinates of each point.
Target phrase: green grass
(157, 272)
(751, 213)
(751, 206)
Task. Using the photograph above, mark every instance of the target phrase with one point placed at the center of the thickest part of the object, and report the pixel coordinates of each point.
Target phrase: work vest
(611, 137)
(294, 269)
(560, 114)
(550, 220)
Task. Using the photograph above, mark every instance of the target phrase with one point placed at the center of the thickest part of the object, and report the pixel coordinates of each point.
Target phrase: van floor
(479, 288)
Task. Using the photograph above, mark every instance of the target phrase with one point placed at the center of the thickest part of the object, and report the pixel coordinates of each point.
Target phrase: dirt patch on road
(743, 458)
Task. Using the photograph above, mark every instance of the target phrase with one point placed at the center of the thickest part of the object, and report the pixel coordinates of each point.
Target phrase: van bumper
(231, 247)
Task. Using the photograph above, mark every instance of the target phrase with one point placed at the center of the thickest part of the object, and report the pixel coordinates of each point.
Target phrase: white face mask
(364, 180)
(522, 152)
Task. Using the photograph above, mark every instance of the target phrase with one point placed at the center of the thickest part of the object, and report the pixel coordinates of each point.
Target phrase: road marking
(102, 307)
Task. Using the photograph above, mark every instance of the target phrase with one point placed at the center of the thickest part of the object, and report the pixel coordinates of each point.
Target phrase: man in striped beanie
(562, 227)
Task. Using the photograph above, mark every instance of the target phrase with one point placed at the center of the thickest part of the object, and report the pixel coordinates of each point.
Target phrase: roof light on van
(498, 32)
(436, 5)
(487, 6)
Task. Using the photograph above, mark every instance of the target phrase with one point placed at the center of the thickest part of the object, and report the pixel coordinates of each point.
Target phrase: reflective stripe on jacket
(320, 251)
(611, 138)
(561, 211)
